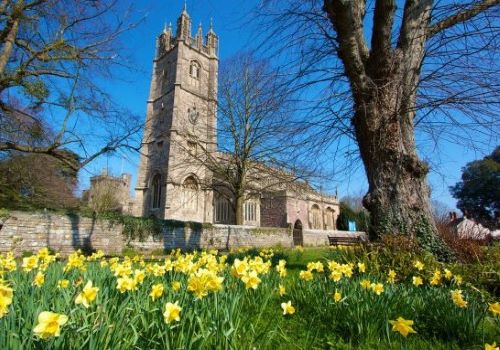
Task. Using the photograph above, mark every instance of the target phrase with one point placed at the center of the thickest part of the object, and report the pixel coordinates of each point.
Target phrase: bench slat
(343, 240)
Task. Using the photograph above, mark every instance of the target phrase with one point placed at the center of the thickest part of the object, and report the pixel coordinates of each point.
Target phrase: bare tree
(55, 59)
(259, 145)
(431, 66)
(103, 197)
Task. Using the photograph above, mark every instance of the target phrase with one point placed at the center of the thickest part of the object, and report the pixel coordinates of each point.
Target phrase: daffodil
(419, 265)
(30, 263)
(156, 291)
(306, 275)
(287, 307)
(281, 290)
(176, 285)
(365, 284)
(494, 308)
(124, 284)
(49, 324)
(88, 295)
(377, 288)
(391, 276)
(172, 312)
(6, 294)
(491, 346)
(39, 279)
(337, 296)
(62, 284)
(417, 281)
(251, 280)
(404, 327)
(458, 299)
(436, 278)
(361, 267)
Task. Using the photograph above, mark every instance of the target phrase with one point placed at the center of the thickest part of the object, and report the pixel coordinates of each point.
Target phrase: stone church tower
(180, 126)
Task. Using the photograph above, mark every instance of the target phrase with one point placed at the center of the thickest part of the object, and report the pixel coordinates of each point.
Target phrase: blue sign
(352, 225)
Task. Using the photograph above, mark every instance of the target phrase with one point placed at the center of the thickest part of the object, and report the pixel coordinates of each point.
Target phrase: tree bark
(384, 85)
(240, 201)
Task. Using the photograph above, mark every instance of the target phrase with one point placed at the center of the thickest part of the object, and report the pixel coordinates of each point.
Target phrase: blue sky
(230, 23)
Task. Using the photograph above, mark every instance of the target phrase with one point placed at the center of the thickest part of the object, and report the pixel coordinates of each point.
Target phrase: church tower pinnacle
(184, 25)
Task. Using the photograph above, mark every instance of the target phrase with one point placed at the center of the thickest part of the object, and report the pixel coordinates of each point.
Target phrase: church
(181, 121)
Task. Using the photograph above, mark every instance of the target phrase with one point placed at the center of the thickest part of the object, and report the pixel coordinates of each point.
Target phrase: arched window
(156, 191)
(330, 225)
(190, 193)
(194, 69)
(316, 217)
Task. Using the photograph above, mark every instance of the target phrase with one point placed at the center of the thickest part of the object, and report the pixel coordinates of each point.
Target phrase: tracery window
(250, 210)
(221, 210)
(329, 218)
(316, 217)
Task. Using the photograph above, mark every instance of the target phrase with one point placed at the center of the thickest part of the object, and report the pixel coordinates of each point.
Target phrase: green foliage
(141, 228)
(36, 181)
(4, 213)
(361, 217)
(478, 193)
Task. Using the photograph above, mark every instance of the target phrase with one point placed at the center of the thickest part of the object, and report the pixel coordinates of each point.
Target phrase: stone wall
(66, 233)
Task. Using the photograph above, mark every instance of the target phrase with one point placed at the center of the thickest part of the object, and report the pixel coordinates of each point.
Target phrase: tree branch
(461, 16)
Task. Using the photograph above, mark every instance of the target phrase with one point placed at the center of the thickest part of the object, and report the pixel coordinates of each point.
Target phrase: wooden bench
(344, 240)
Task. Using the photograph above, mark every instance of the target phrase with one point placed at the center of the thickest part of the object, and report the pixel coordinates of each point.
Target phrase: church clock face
(193, 115)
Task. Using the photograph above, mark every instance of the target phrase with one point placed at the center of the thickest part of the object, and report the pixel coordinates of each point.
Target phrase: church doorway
(297, 234)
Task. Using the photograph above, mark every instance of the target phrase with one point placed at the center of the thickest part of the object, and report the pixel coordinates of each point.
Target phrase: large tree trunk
(384, 81)
(398, 195)
(238, 212)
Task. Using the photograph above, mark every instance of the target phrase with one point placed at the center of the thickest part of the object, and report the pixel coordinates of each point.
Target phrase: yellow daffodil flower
(419, 265)
(377, 288)
(172, 312)
(391, 276)
(251, 280)
(156, 291)
(281, 290)
(491, 346)
(404, 327)
(87, 296)
(417, 281)
(306, 275)
(287, 307)
(62, 284)
(494, 308)
(337, 296)
(458, 299)
(365, 284)
(361, 267)
(49, 324)
(39, 279)
(176, 285)
(6, 294)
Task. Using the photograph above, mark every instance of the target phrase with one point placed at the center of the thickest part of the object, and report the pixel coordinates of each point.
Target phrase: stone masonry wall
(66, 233)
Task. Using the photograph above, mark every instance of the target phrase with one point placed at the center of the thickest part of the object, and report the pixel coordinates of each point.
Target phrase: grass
(236, 317)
